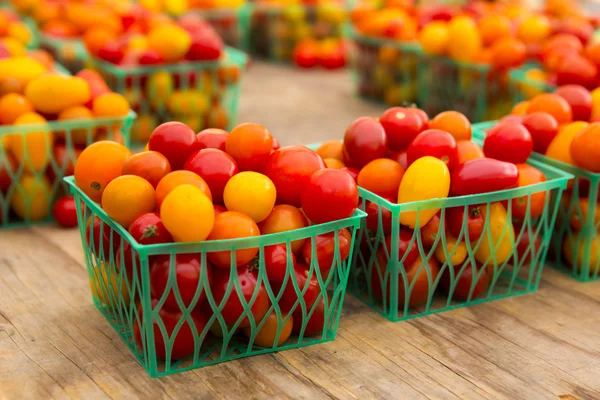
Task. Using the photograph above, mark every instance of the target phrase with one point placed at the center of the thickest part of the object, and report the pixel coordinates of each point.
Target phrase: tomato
(401, 126)
(434, 143)
(308, 286)
(483, 175)
(250, 193)
(334, 58)
(331, 149)
(174, 140)
(574, 250)
(580, 100)
(313, 325)
(233, 308)
(365, 140)
(543, 128)
(231, 225)
(372, 210)
(430, 230)
(290, 169)
(285, 218)
(276, 145)
(326, 250)
(468, 150)
(188, 278)
(150, 165)
(585, 148)
(527, 247)
(249, 145)
(65, 163)
(408, 251)
(214, 166)
(276, 262)
(381, 176)
(188, 214)
(580, 215)
(274, 332)
(149, 229)
(536, 202)
(306, 54)
(178, 178)
(414, 188)
(454, 123)
(331, 194)
(455, 221)
(508, 53)
(560, 147)
(183, 344)
(453, 253)
(498, 241)
(212, 138)
(103, 237)
(469, 285)
(577, 70)
(65, 212)
(127, 197)
(509, 142)
(353, 172)
(8, 166)
(554, 105)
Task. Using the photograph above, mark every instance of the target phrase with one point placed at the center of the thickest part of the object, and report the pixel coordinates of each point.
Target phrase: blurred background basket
(71, 53)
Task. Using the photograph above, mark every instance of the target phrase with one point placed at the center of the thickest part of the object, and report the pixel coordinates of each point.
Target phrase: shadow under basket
(493, 246)
(173, 324)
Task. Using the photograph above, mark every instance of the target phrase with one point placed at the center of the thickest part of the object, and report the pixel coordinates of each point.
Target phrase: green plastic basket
(442, 277)
(524, 88)
(231, 24)
(576, 234)
(69, 52)
(31, 178)
(201, 94)
(204, 331)
(275, 29)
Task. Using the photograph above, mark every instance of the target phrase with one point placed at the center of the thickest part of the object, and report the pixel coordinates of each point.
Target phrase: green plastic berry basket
(276, 29)
(231, 24)
(204, 329)
(575, 245)
(199, 94)
(525, 88)
(69, 52)
(384, 71)
(34, 158)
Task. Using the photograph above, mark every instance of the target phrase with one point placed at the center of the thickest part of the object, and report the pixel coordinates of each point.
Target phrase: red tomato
(233, 309)
(372, 210)
(149, 229)
(65, 212)
(313, 325)
(306, 55)
(526, 247)
(9, 164)
(310, 288)
(580, 100)
(429, 231)
(577, 70)
(515, 119)
(483, 175)
(276, 145)
(65, 162)
(435, 143)
(250, 145)
(174, 140)
(125, 260)
(543, 128)
(326, 250)
(478, 279)
(101, 232)
(407, 252)
(509, 142)
(455, 220)
(216, 168)
(276, 262)
(353, 172)
(333, 57)
(401, 157)
(150, 165)
(290, 169)
(402, 125)
(364, 141)
(188, 277)
(183, 344)
(212, 138)
(331, 194)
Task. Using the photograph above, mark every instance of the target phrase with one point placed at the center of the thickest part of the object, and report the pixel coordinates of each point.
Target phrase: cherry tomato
(285, 218)
(353, 172)
(407, 252)
(219, 209)
(401, 157)
(453, 122)
(216, 168)
(580, 100)
(65, 162)
(430, 230)
(314, 325)
(276, 144)
(101, 232)
(188, 277)
(7, 164)
(526, 247)
(554, 105)
(333, 58)
(65, 212)
(508, 142)
(577, 70)
(331, 194)
(290, 169)
(475, 222)
(267, 335)
(470, 277)
(326, 250)
(232, 225)
(584, 148)
(174, 140)
(483, 175)
(149, 229)
(310, 288)
(365, 140)
(402, 125)
(435, 143)
(183, 344)
(536, 202)
(372, 210)
(468, 150)
(250, 145)
(150, 165)
(233, 310)
(381, 176)
(306, 54)
(250, 193)
(543, 128)
(212, 138)
(276, 262)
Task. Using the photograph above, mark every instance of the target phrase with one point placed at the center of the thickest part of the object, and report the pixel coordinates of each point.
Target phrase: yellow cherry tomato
(464, 39)
(250, 193)
(188, 214)
(31, 200)
(32, 149)
(434, 38)
(108, 287)
(498, 241)
(456, 251)
(560, 147)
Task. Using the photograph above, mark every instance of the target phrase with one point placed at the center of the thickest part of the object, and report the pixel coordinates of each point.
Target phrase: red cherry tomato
(543, 128)
(455, 220)
(402, 125)
(526, 246)
(577, 70)
(435, 143)
(401, 157)
(515, 119)
(306, 55)
(313, 325)
(372, 210)
(125, 260)
(509, 142)
(310, 288)
(475, 278)
(290, 169)
(331, 194)
(276, 262)
(326, 250)
(174, 140)
(65, 162)
(65, 212)
(334, 58)
(353, 172)
(580, 100)
(149, 229)
(212, 138)
(430, 230)
(216, 168)
(483, 175)
(364, 141)
(233, 309)
(101, 233)
(7, 166)
(250, 145)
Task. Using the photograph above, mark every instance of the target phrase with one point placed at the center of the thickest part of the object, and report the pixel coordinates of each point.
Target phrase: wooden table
(54, 344)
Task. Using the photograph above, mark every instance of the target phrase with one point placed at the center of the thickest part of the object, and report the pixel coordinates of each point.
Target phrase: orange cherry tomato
(331, 149)
(127, 197)
(150, 165)
(520, 108)
(177, 178)
(580, 216)
(268, 336)
(231, 225)
(381, 176)
(529, 175)
(560, 147)
(585, 148)
(334, 163)
(554, 105)
(454, 123)
(468, 150)
(285, 218)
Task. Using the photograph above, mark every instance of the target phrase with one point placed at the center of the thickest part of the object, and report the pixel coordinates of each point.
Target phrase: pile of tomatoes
(216, 185)
(405, 157)
(327, 53)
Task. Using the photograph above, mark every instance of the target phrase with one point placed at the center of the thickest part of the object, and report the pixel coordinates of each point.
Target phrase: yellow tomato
(574, 248)
(127, 197)
(464, 40)
(414, 187)
(32, 149)
(53, 93)
(250, 193)
(170, 41)
(31, 200)
(534, 29)
(457, 252)
(108, 287)
(24, 69)
(160, 87)
(434, 38)
(502, 234)
(188, 214)
(560, 147)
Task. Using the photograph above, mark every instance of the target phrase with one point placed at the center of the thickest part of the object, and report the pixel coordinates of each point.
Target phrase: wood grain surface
(54, 344)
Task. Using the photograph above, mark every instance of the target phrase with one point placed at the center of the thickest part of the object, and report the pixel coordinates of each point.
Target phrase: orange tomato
(334, 163)
(585, 148)
(32, 149)
(12, 106)
(381, 176)
(554, 105)
(177, 178)
(494, 27)
(98, 164)
(285, 218)
(580, 215)
(150, 165)
(468, 150)
(434, 38)
(454, 123)
(508, 52)
(110, 105)
(331, 149)
(127, 197)
(95, 38)
(267, 335)
(188, 214)
(231, 225)
(464, 40)
(520, 108)
(529, 175)
(78, 136)
(560, 147)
